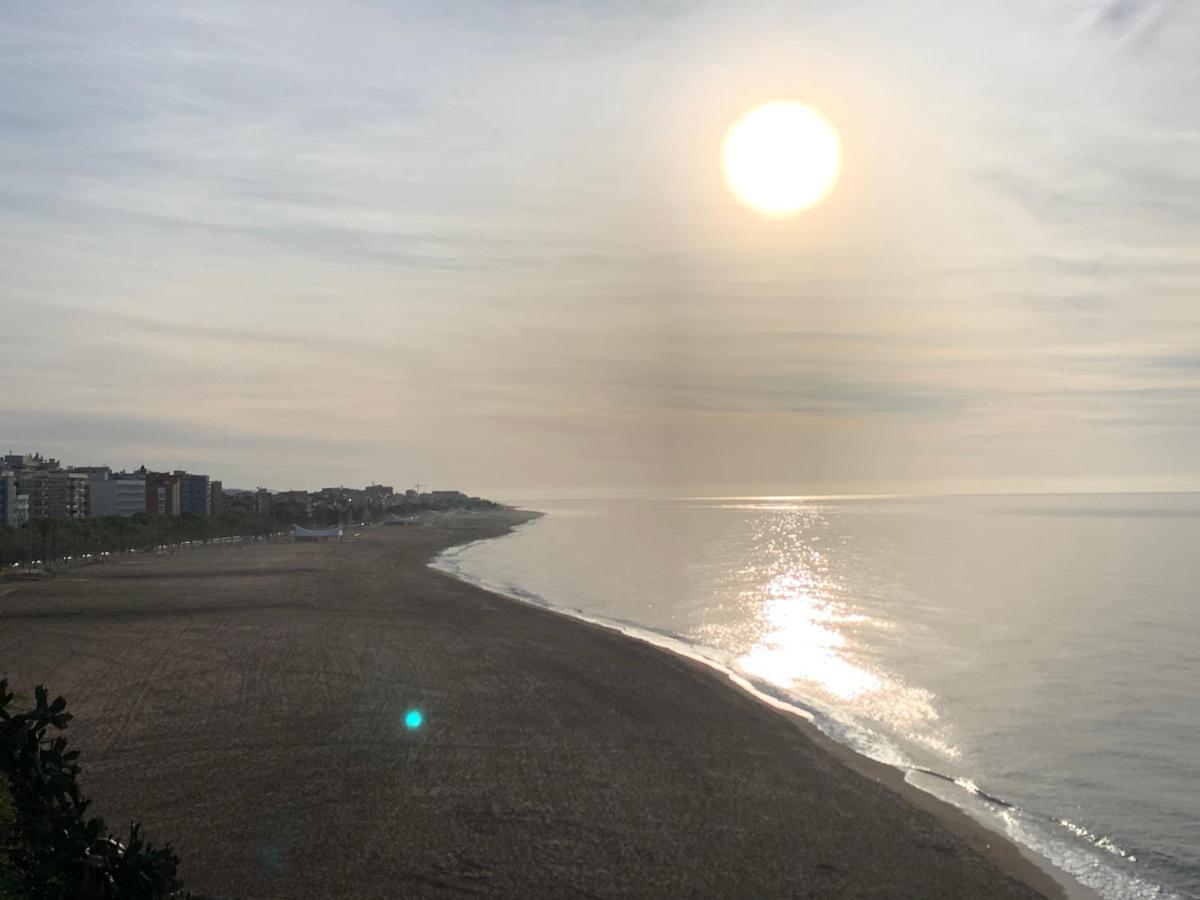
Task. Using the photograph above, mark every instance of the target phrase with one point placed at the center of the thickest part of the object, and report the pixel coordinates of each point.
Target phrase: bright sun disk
(781, 158)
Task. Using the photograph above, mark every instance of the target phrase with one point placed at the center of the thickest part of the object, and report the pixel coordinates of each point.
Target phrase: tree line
(53, 540)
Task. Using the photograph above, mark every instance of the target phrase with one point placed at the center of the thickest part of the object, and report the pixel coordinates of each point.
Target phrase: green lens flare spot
(413, 719)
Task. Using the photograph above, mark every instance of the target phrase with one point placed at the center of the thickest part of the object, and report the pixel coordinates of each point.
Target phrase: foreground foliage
(48, 848)
(10, 881)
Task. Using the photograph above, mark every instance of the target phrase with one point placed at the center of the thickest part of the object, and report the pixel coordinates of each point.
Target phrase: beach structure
(300, 533)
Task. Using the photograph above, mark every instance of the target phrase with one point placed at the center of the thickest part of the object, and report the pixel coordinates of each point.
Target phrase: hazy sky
(488, 245)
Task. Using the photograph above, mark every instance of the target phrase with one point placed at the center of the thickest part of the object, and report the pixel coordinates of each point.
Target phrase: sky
(488, 246)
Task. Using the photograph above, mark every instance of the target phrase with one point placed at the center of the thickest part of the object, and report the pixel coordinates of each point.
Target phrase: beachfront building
(50, 491)
(66, 494)
(37, 487)
(21, 514)
(264, 501)
(115, 493)
(193, 494)
(378, 495)
(31, 473)
(216, 497)
(14, 503)
(162, 492)
(340, 497)
(33, 486)
(8, 499)
(17, 462)
(447, 498)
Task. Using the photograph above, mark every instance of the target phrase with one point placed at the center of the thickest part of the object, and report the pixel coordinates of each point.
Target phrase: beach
(247, 704)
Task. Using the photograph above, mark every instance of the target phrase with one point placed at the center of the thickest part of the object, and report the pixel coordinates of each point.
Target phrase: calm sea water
(1042, 652)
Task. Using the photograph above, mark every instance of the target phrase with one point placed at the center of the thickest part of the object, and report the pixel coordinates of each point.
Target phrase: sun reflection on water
(810, 640)
(802, 643)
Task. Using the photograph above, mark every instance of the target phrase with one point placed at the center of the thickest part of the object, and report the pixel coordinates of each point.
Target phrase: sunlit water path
(1042, 653)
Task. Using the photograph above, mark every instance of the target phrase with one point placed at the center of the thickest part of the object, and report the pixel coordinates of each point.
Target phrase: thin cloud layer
(489, 246)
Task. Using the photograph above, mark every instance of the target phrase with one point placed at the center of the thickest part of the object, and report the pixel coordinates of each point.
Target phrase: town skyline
(36, 486)
(168, 467)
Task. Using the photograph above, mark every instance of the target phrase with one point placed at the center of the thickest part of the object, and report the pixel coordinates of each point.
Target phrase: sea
(1033, 659)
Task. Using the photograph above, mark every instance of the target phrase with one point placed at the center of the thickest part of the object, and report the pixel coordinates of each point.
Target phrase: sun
(781, 158)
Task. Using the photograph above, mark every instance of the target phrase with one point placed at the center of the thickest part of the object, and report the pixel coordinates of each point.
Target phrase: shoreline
(1010, 856)
(556, 758)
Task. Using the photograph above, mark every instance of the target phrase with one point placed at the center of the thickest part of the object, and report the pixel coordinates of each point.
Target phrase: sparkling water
(1034, 659)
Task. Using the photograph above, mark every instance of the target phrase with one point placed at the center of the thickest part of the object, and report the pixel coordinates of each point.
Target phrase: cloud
(469, 240)
(1132, 21)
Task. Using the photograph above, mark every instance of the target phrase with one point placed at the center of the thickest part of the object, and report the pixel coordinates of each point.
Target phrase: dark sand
(246, 704)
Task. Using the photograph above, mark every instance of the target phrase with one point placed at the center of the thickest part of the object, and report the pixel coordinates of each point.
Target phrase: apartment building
(115, 493)
(8, 499)
(193, 494)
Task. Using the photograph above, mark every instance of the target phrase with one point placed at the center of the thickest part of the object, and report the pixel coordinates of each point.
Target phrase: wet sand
(247, 704)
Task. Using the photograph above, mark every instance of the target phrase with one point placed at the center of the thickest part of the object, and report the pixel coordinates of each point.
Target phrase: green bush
(50, 849)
